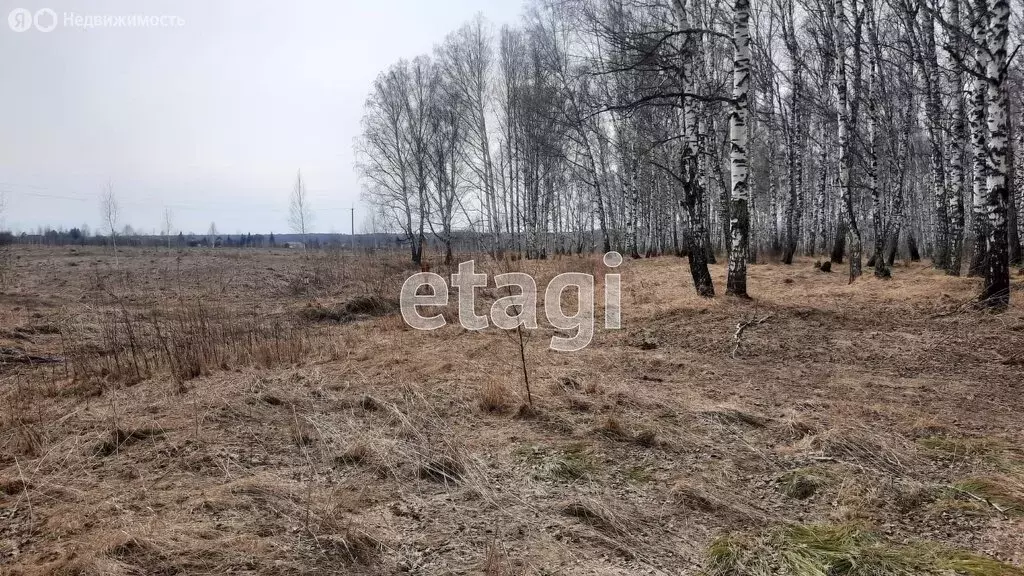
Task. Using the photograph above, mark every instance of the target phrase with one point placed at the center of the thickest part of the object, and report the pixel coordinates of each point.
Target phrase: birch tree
(958, 136)
(693, 190)
(874, 91)
(996, 293)
(300, 213)
(168, 224)
(740, 217)
(384, 156)
(467, 58)
(979, 138)
(794, 133)
(110, 211)
(843, 120)
(448, 160)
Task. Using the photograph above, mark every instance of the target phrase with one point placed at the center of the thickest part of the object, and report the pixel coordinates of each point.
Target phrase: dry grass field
(269, 412)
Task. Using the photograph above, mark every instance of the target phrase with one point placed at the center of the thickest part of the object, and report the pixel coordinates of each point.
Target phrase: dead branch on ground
(742, 326)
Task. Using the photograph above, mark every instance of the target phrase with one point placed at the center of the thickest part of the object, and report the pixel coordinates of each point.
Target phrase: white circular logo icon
(20, 19)
(45, 20)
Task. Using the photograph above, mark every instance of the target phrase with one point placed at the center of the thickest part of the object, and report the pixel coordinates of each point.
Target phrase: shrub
(187, 340)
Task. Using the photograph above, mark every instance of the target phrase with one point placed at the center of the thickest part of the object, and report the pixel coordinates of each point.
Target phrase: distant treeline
(463, 241)
(78, 237)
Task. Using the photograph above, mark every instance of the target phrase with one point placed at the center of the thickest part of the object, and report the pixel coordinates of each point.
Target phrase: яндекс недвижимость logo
(46, 20)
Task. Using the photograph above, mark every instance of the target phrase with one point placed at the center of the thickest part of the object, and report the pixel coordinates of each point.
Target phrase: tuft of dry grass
(354, 455)
(13, 486)
(352, 546)
(369, 403)
(862, 445)
(801, 483)
(496, 562)
(1001, 493)
(493, 397)
(732, 417)
(571, 463)
(358, 308)
(444, 469)
(612, 428)
(794, 427)
(598, 514)
(694, 496)
(121, 438)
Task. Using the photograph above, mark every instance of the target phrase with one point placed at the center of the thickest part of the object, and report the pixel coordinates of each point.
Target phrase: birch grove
(742, 132)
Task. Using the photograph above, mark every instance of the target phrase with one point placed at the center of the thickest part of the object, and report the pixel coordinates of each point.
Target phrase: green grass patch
(841, 550)
(1002, 493)
(801, 483)
(994, 450)
(567, 464)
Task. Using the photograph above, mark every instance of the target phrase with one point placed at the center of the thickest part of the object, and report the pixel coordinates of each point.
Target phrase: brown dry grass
(373, 448)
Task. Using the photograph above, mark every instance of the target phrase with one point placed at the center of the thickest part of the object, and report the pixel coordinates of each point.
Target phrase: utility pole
(353, 228)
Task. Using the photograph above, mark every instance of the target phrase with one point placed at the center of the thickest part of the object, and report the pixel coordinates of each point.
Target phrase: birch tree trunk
(817, 221)
(702, 178)
(897, 213)
(1017, 197)
(843, 116)
(795, 138)
(629, 165)
(874, 56)
(632, 213)
(739, 212)
(819, 228)
(693, 190)
(979, 220)
(724, 189)
(606, 243)
(1013, 183)
(955, 192)
(997, 278)
(933, 114)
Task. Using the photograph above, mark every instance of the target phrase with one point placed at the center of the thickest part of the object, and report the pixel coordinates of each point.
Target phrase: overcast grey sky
(211, 118)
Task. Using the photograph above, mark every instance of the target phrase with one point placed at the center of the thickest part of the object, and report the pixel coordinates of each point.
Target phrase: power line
(240, 205)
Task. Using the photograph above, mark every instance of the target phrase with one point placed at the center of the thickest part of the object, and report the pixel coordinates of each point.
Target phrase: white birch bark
(843, 116)
(955, 192)
(740, 169)
(997, 278)
(881, 270)
(979, 137)
(693, 192)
